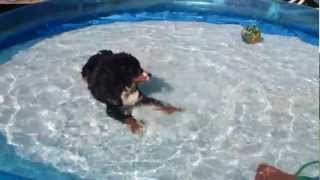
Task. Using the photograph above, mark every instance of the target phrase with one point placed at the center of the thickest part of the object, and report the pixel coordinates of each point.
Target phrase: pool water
(243, 104)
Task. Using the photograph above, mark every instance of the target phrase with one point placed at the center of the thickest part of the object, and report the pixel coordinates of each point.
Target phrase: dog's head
(130, 69)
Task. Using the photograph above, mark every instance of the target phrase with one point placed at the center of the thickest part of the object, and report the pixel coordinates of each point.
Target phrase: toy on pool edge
(251, 34)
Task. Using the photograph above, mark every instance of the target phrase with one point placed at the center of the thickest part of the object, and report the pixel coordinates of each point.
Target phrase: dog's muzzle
(144, 76)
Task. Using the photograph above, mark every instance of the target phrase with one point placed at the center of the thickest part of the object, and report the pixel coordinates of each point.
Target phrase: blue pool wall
(14, 167)
(52, 17)
(41, 19)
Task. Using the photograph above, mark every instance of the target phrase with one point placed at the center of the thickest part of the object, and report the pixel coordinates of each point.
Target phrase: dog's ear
(108, 76)
(88, 68)
(106, 87)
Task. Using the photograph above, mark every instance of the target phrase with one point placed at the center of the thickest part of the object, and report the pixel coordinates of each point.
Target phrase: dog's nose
(146, 74)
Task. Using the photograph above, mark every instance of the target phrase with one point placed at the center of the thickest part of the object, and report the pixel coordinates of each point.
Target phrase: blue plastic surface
(52, 17)
(56, 16)
(8, 176)
(13, 167)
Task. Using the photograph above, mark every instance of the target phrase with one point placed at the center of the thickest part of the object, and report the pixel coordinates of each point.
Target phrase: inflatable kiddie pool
(244, 104)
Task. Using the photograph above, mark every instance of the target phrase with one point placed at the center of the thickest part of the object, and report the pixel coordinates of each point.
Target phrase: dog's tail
(92, 62)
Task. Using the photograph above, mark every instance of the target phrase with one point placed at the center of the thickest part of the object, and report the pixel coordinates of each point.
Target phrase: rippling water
(244, 104)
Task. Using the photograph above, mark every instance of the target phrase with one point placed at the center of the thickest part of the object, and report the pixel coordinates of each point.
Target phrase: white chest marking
(129, 98)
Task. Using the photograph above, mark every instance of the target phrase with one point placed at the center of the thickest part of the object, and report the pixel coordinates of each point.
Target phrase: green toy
(251, 34)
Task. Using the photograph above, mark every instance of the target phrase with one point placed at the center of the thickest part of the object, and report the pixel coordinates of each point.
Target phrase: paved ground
(19, 1)
(6, 5)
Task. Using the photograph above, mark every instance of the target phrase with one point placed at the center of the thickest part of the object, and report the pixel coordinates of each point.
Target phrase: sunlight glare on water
(244, 104)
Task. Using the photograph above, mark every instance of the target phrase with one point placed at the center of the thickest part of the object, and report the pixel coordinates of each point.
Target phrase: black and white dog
(113, 79)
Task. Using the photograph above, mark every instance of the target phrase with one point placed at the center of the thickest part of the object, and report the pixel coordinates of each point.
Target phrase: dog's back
(88, 68)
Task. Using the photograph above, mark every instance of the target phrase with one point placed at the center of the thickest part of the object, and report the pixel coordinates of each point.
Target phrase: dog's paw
(169, 109)
(135, 126)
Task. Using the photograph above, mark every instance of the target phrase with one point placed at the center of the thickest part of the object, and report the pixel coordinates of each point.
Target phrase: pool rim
(38, 20)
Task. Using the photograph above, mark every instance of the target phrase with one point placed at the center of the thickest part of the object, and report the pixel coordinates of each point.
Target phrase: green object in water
(251, 34)
(304, 178)
(297, 177)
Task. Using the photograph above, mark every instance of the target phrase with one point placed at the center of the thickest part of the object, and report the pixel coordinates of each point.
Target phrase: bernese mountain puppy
(113, 79)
